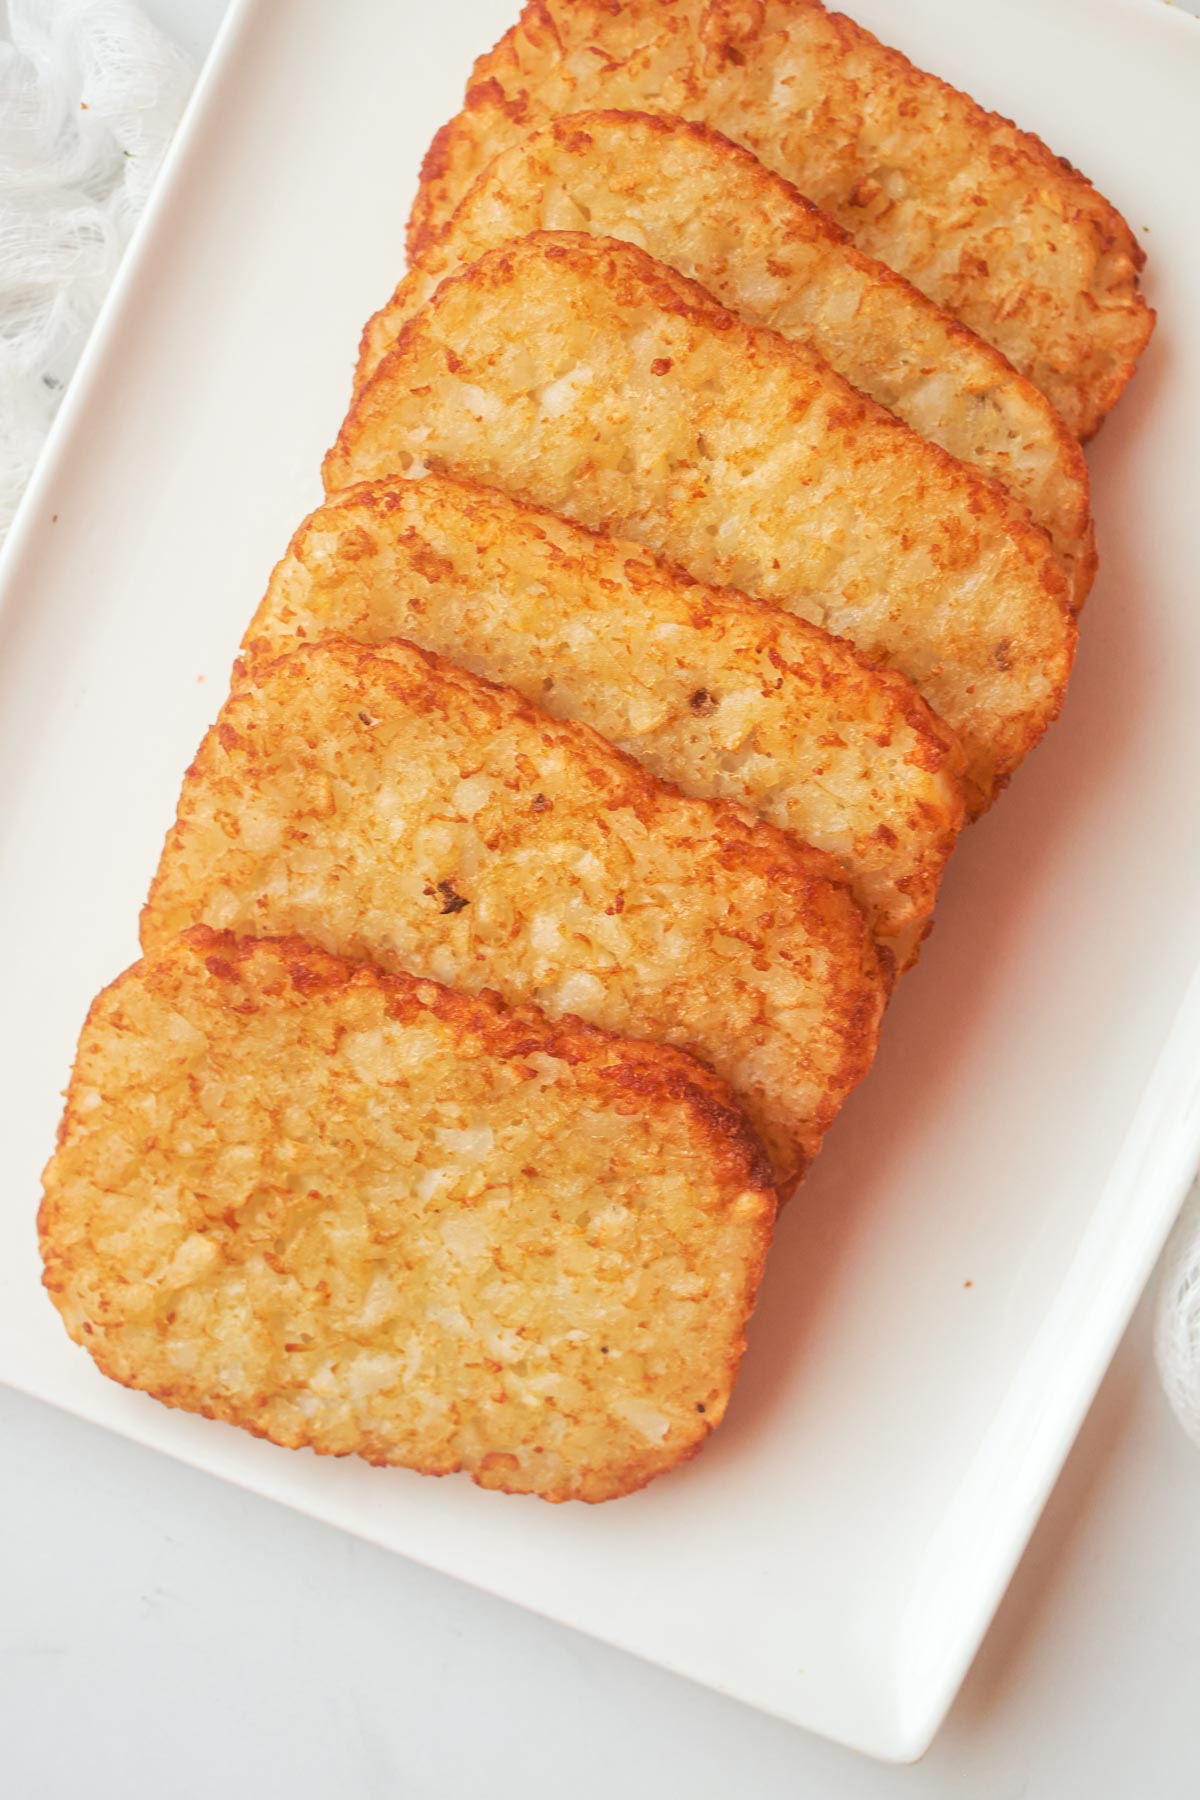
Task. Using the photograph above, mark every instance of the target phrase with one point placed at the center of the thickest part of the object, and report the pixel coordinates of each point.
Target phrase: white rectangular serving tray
(947, 1291)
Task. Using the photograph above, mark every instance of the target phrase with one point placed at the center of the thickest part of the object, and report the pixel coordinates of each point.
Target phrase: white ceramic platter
(945, 1295)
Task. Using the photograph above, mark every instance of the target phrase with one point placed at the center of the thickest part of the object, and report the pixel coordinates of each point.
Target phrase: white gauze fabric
(90, 94)
(1177, 1329)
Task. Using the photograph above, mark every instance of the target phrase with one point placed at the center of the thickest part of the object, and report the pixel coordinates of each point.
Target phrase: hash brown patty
(359, 1213)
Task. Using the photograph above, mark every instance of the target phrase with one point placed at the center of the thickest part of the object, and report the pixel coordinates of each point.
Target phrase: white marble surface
(164, 1635)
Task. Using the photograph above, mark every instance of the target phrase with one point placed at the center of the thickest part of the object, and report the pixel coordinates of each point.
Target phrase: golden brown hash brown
(982, 217)
(358, 1212)
(579, 374)
(395, 809)
(695, 200)
(723, 696)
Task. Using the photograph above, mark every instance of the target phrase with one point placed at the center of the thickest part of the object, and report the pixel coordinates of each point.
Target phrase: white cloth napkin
(90, 94)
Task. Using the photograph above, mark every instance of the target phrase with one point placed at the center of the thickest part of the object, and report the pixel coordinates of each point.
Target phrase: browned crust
(1025, 149)
(653, 1075)
(801, 652)
(507, 1032)
(1016, 144)
(633, 278)
(385, 494)
(811, 882)
(616, 779)
(574, 135)
(506, 98)
(726, 22)
(443, 177)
